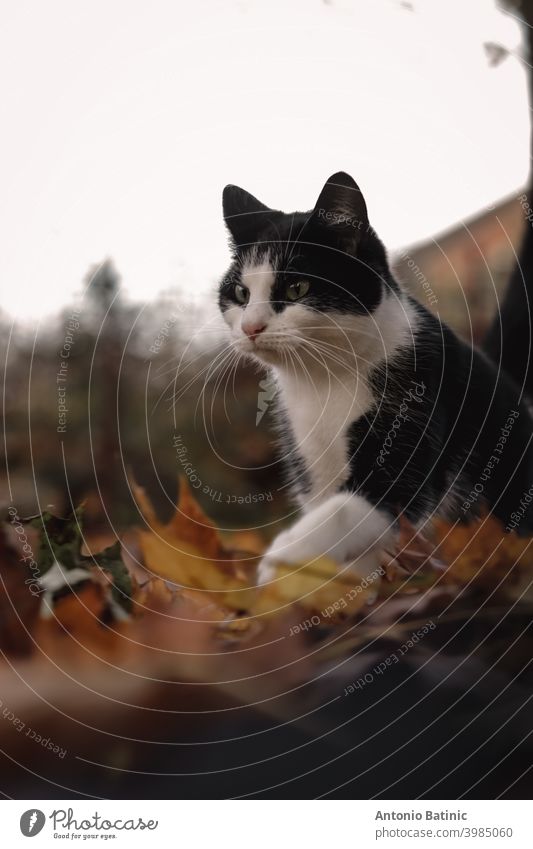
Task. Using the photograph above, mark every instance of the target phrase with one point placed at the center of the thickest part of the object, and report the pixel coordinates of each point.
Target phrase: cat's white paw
(345, 528)
(368, 567)
(266, 571)
(289, 548)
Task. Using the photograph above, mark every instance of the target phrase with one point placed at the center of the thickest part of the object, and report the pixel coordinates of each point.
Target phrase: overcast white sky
(124, 120)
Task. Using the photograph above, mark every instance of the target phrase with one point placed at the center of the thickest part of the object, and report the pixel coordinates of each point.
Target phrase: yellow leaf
(320, 587)
(482, 552)
(189, 552)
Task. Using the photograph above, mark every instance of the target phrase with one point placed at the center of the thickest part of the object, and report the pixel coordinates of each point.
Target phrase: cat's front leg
(347, 528)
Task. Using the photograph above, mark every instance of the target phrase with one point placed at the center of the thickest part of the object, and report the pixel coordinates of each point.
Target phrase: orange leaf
(189, 552)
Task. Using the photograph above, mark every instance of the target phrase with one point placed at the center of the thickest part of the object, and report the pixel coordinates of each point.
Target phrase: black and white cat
(383, 410)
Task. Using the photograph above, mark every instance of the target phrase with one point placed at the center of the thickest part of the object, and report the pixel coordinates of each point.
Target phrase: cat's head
(299, 281)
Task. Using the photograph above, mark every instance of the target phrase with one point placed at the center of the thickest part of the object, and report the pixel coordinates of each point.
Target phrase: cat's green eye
(295, 291)
(241, 293)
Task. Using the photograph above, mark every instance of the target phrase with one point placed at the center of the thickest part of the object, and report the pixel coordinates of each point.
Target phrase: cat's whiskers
(328, 352)
(225, 365)
(177, 361)
(294, 354)
(224, 373)
(231, 376)
(357, 365)
(219, 363)
(219, 359)
(321, 361)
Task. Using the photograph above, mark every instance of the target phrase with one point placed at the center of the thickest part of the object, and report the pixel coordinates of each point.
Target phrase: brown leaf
(189, 552)
(482, 552)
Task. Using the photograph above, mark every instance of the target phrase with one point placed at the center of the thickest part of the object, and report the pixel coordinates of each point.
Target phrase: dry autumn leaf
(318, 587)
(482, 552)
(189, 552)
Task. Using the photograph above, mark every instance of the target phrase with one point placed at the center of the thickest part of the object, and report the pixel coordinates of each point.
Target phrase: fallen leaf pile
(189, 552)
(186, 562)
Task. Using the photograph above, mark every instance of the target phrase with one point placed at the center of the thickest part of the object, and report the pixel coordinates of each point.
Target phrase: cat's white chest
(320, 415)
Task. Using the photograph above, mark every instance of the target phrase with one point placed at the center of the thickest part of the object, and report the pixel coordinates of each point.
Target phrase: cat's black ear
(340, 216)
(243, 214)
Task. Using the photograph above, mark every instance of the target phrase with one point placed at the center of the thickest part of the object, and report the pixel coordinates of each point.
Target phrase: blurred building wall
(462, 273)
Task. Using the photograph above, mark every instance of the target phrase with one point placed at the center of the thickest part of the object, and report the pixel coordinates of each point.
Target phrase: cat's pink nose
(253, 330)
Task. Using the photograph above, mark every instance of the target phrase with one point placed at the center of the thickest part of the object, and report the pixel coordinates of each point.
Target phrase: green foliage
(61, 540)
(110, 560)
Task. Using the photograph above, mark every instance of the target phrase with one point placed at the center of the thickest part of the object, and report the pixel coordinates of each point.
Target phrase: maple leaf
(189, 552)
(321, 587)
(482, 552)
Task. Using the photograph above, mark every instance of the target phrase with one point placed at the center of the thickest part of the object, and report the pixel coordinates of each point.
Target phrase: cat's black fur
(464, 442)
(461, 446)
(345, 260)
